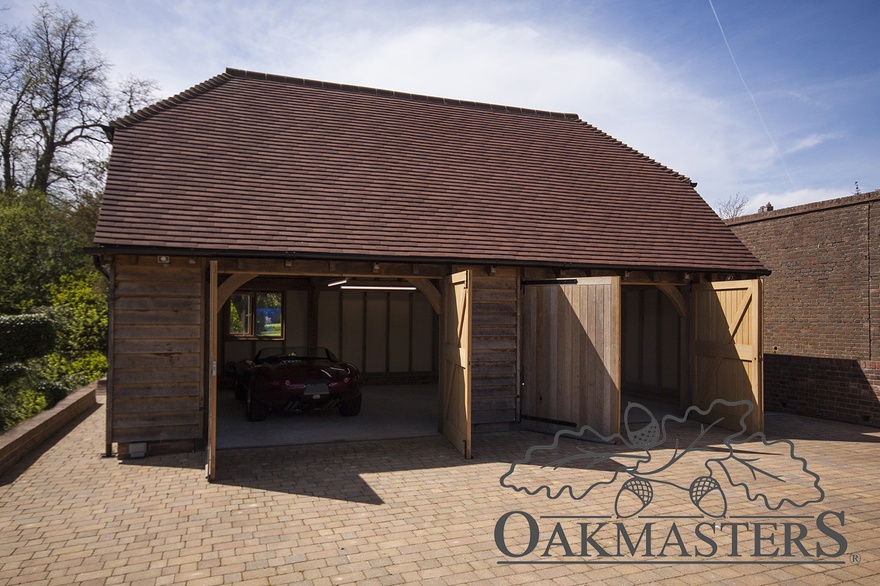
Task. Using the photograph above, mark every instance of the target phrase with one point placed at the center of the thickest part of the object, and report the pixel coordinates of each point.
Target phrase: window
(256, 315)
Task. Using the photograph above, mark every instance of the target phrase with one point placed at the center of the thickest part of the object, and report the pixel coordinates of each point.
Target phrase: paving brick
(433, 522)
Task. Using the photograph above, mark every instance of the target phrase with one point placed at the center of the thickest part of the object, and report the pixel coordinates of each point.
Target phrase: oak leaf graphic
(671, 452)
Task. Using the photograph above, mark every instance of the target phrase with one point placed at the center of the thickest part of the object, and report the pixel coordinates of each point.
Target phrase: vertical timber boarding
(455, 374)
(213, 335)
(571, 355)
(728, 360)
(158, 353)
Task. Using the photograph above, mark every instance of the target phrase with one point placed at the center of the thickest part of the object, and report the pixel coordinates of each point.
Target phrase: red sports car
(298, 379)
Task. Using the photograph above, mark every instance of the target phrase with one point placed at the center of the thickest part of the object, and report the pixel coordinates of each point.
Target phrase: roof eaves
(99, 249)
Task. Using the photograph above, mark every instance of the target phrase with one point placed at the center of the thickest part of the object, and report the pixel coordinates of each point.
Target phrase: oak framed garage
(562, 267)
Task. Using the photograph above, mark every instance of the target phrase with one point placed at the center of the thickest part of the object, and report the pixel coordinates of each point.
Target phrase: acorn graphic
(633, 496)
(706, 494)
(646, 437)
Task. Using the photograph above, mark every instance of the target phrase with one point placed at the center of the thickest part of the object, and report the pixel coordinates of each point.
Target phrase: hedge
(25, 336)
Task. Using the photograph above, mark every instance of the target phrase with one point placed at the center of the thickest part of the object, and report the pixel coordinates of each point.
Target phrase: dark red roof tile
(274, 165)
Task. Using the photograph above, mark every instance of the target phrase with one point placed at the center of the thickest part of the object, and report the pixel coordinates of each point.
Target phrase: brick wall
(827, 388)
(819, 300)
(821, 306)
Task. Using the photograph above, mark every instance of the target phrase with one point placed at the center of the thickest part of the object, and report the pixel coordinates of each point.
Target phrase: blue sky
(654, 74)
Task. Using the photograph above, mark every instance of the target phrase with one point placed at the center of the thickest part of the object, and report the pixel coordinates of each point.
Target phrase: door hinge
(214, 368)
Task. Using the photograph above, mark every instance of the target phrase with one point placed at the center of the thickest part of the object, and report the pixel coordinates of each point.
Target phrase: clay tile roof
(267, 165)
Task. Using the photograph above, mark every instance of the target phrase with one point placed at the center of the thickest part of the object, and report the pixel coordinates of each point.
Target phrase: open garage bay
(388, 411)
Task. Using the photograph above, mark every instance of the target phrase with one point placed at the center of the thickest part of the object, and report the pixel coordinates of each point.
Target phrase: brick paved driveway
(404, 511)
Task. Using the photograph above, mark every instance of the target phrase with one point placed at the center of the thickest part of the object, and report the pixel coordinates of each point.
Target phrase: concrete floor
(388, 412)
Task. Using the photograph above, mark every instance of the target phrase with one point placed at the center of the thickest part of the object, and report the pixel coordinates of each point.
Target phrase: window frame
(253, 309)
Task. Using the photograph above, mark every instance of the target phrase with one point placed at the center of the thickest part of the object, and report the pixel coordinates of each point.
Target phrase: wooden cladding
(571, 354)
(728, 349)
(494, 346)
(379, 331)
(652, 348)
(157, 381)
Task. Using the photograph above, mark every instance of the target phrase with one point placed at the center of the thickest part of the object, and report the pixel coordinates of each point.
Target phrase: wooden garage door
(571, 354)
(456, 367)
(727, 348)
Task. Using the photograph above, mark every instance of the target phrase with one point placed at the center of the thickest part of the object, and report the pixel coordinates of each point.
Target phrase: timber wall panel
(157, 384)
(494, 355)
(571, 349)
(386, 334)
(651, 344)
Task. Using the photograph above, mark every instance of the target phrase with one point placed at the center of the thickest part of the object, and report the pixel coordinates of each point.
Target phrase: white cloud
(811, 141)
(787, 199)
(482, 52)
(624, 93)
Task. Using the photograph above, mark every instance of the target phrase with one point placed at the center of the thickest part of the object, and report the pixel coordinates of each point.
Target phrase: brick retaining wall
(827, 388)
(16, 443)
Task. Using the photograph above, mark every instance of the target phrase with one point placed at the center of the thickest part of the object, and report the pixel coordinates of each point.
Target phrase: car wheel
(256, 411)
(351, 407)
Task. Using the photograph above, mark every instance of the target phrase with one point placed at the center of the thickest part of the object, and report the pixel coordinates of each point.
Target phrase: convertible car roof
(257, 164)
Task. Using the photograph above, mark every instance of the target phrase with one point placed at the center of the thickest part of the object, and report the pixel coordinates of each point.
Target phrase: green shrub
(29, 403)
(77, 371)
(19, 402)
(53, 392)
(27, 396)
(12, 371)
(80, 314)
(25, 336)
(79, 308)
(38, 245)
(44, 356)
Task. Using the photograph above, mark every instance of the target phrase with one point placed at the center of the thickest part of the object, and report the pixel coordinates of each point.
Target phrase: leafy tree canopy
(55, 98)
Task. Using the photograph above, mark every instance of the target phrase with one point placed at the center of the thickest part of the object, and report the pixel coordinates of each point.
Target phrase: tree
(55, 98)
(79, 309)
(38, 245)
(732, 207)
(14, 88)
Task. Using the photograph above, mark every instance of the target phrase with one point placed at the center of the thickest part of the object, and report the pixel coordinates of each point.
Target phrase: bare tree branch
(732, 207)
(55, 98)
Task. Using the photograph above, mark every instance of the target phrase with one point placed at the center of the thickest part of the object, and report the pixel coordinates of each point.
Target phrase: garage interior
(385, 327)
(389, 330)
(654, 350)
(635, 339)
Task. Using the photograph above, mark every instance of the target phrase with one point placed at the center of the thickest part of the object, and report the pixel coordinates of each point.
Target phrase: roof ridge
(244, 74)
(162, 105)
